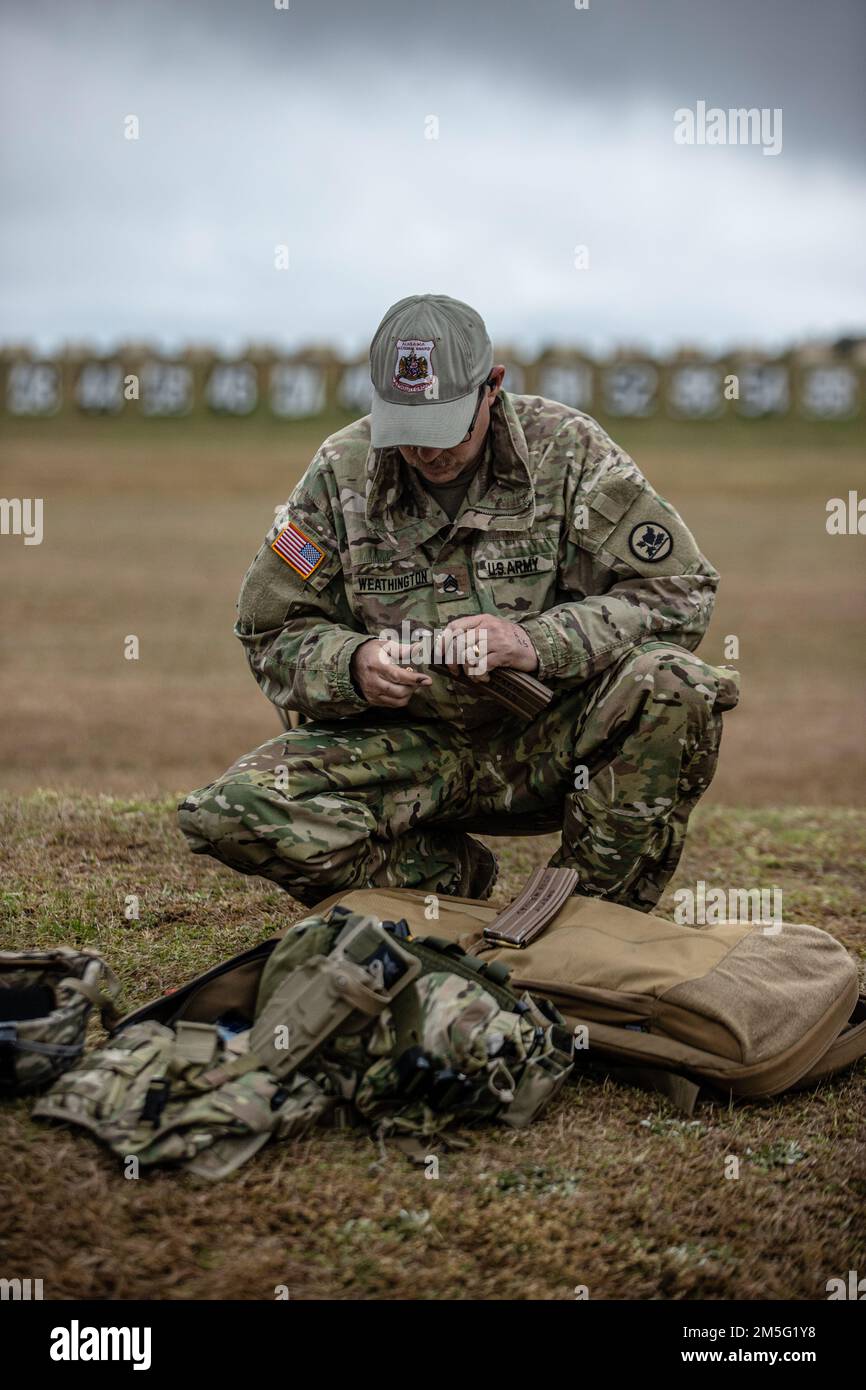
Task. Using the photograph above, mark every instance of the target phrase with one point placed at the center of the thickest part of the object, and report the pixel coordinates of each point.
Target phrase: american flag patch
(298, 550)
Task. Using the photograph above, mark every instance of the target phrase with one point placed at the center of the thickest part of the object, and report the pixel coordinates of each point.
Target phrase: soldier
(516, 524)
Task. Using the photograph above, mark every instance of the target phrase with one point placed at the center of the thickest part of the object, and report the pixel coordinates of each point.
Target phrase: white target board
(629, 389)
(829, 393)
(695, 391)
(166, 388)
(232, 388)
(296, 390)
(570, 385)
(99, 388)
(355, 389)
(765, 389)
(33, 388)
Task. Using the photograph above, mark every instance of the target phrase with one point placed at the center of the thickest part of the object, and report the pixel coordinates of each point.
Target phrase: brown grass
(612, 1189)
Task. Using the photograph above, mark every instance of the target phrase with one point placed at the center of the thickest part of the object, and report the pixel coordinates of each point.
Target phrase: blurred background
(217, 202)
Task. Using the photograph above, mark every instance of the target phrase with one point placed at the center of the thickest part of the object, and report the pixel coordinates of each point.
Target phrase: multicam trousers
(621, 761)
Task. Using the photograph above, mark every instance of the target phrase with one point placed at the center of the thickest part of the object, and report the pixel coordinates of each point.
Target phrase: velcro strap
(195, 1042)
(441, 943)
(495, 970)
(226, 1071)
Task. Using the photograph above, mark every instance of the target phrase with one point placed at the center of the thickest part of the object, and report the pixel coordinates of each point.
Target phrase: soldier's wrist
(525, 657)
(353, 672)
(346, 681)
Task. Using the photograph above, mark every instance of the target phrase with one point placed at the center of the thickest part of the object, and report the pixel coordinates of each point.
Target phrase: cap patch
(298, 550)
(650, 542)
(413, 370)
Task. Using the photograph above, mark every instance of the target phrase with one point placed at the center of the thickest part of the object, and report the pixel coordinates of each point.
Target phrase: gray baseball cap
(428, 359)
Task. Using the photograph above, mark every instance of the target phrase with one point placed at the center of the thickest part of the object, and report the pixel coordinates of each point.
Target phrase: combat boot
(479, 869)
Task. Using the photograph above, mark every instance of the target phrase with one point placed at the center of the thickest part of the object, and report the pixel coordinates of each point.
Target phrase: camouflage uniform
(560, 532)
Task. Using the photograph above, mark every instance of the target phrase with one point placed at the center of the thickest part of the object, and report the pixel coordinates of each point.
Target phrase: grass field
(612, 1189)
(149, 527)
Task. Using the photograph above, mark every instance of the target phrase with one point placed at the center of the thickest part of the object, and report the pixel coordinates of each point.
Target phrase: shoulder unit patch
(650, 542)
(298, 550)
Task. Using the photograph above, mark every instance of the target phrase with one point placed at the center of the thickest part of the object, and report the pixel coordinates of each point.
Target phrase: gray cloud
(804, 56)
(307, 127)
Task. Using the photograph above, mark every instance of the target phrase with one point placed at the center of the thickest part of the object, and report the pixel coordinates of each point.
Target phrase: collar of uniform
(501, 496)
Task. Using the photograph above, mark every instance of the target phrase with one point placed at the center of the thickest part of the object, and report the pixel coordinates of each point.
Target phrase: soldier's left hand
(485, 642)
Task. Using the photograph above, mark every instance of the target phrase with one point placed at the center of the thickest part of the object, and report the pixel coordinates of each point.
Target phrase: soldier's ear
(494, 381)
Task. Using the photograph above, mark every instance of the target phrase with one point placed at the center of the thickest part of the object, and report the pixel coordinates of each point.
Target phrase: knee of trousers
(235, 813)
(257, 828)
(675, 678)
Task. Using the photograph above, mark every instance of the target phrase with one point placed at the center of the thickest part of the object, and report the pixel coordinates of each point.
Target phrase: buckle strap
(102, 999)
(11, 1038)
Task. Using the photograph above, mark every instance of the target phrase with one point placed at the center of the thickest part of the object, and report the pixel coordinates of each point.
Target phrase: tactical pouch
(344, 990)
(543, 1076)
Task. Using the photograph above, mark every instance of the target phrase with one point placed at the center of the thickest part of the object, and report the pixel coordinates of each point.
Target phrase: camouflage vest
(354, 1021)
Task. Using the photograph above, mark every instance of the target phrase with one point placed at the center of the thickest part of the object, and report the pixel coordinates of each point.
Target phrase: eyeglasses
(482, 388)
(474, 421)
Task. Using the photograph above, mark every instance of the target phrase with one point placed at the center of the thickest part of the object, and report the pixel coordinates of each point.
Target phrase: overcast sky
(306, 127)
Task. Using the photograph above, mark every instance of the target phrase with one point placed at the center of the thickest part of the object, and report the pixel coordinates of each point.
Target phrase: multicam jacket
(559, 531)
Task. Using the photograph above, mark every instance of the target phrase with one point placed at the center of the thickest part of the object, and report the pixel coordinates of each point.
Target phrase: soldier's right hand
(380, 679)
